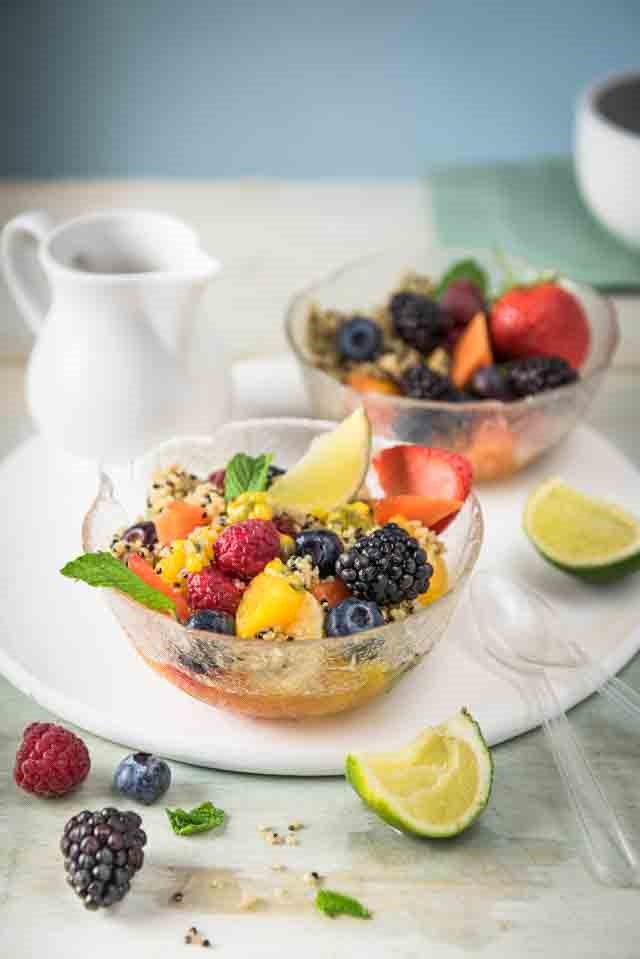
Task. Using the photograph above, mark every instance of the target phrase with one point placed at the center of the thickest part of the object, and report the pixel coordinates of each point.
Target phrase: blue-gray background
(300, 89)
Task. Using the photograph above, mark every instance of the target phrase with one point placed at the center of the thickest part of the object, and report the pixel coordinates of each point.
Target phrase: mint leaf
(201, 819)
(103, 569)
(335, 904)
(246, 474)
(464, 270)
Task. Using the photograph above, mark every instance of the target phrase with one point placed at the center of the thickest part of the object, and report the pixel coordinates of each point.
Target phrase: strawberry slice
(424, 508)
(423, 471)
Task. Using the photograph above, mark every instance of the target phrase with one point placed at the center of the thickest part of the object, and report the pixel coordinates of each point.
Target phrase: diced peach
(332, 591)
(141, 568)
(472, 351)
(365, 383)
(177, 520)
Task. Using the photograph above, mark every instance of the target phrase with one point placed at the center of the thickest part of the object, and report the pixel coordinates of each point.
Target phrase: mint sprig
(103, 569)
(200, 819)
(464, 270)
(336, 904)
(245, 474)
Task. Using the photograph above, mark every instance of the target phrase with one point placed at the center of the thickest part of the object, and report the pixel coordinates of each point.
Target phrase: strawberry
(540, 320)
(424, 471)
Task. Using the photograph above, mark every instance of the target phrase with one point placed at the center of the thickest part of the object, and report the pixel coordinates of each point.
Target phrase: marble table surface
(514, 886)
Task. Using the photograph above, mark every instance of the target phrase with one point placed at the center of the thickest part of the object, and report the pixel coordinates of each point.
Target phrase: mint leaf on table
(201, 819)
(246, 474)
(464, 270)
(335, 904)
(103, 569)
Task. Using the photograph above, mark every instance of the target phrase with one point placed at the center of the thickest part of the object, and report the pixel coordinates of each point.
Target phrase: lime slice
(587, 537)
(332, 470)
(436, 786)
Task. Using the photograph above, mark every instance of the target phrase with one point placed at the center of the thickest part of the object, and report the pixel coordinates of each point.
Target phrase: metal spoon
(518, 629)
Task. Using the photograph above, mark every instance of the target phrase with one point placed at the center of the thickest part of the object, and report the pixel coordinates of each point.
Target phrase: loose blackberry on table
(385, 567)
(102, 851)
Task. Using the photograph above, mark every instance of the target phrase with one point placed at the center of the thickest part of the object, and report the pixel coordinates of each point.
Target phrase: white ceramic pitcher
(119, 364)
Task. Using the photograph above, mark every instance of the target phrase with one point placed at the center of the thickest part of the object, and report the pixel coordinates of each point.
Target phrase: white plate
(60, 645)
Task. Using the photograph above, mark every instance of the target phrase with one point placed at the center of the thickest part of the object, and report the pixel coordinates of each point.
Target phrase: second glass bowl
(498, 438)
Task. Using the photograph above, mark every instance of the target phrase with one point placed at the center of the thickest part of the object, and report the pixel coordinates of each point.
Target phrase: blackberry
(537, 374)
(102, 852)
(421, 383)
(419, 321)
(385, 567)
(359, 339)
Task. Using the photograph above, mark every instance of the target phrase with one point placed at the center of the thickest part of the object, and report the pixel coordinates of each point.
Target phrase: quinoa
(167, 484)
(304, 572)
(206, 496)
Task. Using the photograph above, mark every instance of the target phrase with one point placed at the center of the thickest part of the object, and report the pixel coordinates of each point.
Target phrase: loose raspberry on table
(212, 589)
(244, 549)
(51, 760)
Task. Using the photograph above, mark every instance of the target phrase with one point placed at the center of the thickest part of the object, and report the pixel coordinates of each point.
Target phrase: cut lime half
(331, 471)
(436, 786)
(590, 538)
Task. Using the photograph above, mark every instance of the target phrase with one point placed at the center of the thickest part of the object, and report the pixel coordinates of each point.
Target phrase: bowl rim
(106, 491)
(589, 96)
(526, 403)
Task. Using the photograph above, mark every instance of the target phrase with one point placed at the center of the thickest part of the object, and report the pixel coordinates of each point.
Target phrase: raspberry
(51, 760)
(244, 549)
(211, 589)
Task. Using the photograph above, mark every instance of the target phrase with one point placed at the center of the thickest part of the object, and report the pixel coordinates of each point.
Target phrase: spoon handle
(618, 692)
(609, 855)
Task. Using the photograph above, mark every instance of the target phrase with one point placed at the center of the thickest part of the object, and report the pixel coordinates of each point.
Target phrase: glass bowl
(256, 677)
(498, 438)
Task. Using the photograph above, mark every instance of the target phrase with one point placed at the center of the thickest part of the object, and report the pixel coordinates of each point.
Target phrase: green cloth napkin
(531, 209)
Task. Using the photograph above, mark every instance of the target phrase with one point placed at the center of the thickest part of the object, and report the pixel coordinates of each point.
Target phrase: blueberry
(273, 472)
(143, 533)
(143, 777)
(213, 621)
(322, 546)
(359, 339)
(491, 383)
(352, 616)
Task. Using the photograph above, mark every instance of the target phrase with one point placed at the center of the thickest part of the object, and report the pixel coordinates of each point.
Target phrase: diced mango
(269, 601)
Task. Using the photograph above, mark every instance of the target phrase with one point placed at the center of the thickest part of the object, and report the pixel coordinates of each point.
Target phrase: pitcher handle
(19, 261)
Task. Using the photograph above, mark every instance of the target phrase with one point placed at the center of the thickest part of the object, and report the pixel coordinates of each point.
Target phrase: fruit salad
(451, 341)
(254, 551)
(266, 578)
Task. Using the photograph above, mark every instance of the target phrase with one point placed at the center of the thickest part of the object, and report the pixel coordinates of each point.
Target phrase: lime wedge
(588, 537)
(436, 786)
(332, 470)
